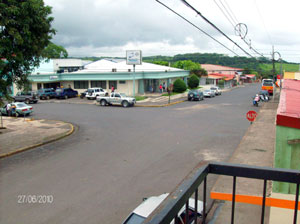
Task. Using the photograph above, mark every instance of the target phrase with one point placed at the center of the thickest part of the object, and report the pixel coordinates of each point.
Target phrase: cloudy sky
(110, 27)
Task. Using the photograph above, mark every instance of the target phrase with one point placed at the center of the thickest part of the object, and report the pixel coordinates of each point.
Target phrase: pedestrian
(8, 109)
(13, 110)
(112, 88)
(160, 88)
(164, 87)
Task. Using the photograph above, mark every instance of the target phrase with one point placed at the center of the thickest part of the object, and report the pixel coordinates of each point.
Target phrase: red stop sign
(251, 115)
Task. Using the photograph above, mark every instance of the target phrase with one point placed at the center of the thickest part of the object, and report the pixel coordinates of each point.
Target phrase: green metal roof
(106, 76)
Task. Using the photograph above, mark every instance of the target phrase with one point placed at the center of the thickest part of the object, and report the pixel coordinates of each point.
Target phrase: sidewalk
(30, 133)
(257, 149)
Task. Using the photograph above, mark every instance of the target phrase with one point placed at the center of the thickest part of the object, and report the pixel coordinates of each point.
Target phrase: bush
(221, 82)
(193, 82)
(179, 86)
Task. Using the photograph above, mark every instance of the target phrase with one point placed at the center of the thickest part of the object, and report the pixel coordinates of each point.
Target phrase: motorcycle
(83, 94)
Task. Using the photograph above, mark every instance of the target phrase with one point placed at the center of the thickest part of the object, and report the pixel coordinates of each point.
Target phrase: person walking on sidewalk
(160, 88)
(112, 88)
(164, 87)
(8, 109)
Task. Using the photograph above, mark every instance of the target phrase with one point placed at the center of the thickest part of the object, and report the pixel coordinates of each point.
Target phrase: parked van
(267, 84)
(92, 93)
(46, 93)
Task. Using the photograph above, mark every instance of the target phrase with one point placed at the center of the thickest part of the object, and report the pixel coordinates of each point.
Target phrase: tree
(55, 51)
(179, 86)
(25, 30)
(193, 82)
(187, 65)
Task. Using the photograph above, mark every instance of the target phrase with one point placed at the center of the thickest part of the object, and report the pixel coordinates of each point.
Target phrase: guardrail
(169, 208)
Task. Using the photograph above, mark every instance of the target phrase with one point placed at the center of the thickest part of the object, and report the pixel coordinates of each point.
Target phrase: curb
(40, 144)
(163, 105)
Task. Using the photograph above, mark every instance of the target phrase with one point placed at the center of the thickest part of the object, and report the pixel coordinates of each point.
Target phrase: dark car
(27, 97)
(195, 94)
(65, 93)
(46, 94)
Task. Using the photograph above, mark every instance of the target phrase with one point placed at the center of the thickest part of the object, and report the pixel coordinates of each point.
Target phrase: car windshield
(58, 90)
(213, 88)
(134, 219)
(207, 91)
(90, 90)
(123, 94)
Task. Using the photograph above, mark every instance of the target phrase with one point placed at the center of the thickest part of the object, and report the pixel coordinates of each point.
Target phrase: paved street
(117, 156)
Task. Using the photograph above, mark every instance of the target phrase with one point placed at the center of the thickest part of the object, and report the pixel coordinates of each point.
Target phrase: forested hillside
(261, 66)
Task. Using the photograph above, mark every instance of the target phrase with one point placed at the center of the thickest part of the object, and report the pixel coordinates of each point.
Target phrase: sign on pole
(133, 57)
(251, 115)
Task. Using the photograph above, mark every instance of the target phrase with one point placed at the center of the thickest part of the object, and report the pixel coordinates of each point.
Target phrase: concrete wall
(286, 156)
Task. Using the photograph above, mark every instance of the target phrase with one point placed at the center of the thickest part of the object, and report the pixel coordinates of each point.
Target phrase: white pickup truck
(116, 99)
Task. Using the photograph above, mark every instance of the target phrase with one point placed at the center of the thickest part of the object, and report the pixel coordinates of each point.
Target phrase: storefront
(108, 73)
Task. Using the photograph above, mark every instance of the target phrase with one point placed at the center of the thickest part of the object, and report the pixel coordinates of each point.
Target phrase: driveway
(118, 156)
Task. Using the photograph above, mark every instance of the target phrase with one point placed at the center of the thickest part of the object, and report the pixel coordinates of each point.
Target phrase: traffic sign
(251, 115)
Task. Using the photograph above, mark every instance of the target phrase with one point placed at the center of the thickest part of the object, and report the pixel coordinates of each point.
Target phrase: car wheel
(27, 101)
(125, 103)
(103, 103)
(66, 96)
(47, 97)
(189, 99)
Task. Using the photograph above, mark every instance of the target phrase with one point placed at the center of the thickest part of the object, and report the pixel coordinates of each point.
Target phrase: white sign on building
(133, 57)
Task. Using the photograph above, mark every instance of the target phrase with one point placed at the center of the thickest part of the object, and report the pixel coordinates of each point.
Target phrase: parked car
(27, 97)
(209, 93)
(147, 207)
(116, 98)
(92, 93)
(65, 93)
(195, 94)
(46, 94)
(21, 109)
(216, 89)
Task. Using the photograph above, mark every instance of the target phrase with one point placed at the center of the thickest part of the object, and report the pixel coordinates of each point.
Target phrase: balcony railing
(168, 210)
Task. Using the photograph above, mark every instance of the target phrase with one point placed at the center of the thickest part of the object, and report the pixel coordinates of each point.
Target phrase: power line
(236, 20)
(261, 18)
(213, 25)
(196, 27)
(232, 23)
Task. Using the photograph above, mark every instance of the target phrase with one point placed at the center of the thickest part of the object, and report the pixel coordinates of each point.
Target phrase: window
(122, 82)
(117, 95)
(112, 83)
(39, 85)
(101, 84)
(81, 84)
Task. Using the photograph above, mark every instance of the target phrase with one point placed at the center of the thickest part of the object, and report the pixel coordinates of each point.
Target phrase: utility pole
(273, 62)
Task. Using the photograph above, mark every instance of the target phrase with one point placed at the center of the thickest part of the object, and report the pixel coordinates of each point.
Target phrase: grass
(172, 94)
(138, 98)
(285, 67)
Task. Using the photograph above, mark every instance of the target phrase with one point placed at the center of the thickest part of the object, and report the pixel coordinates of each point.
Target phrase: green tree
(55, 51)
(187, 65)
(25, 30)
(179, 86)
(193, 82)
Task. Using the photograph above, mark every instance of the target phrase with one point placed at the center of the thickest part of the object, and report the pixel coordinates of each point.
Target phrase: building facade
(105, 73)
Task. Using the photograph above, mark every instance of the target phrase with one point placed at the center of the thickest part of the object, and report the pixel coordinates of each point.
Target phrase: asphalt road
(118, 156)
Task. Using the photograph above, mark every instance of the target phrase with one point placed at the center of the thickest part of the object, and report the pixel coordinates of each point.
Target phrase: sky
(110, 27)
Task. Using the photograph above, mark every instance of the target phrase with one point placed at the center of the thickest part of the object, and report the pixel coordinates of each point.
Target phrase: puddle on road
(208, 155)
(196, 107)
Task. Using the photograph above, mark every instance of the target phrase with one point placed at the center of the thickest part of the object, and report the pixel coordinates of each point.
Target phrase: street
(117, 156)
